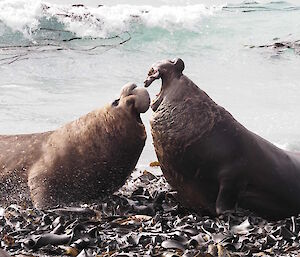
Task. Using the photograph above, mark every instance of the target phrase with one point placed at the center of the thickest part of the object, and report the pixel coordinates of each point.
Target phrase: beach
(61, 60)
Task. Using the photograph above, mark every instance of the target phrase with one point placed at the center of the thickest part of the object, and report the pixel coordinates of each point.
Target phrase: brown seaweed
(144, 218)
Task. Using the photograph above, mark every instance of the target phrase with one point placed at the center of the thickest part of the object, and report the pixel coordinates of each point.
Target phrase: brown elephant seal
(214, 162)
(79, 162)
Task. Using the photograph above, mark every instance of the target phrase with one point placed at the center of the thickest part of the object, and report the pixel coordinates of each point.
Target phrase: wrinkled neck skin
(180, 107)
(176, 88)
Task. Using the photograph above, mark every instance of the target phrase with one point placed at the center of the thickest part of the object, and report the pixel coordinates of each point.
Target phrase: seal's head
(136, 100)
(167, 70)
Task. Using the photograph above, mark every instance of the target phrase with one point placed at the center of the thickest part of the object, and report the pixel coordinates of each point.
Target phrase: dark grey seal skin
(85, 159)
(214, 162)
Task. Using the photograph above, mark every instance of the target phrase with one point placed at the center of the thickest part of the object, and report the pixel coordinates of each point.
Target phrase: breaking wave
(33, 27)
(33, 20)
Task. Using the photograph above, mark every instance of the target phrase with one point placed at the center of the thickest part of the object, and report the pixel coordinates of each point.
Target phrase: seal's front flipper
(227, 196)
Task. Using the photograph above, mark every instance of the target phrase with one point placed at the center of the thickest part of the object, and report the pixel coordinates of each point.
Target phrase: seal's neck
(169, 77)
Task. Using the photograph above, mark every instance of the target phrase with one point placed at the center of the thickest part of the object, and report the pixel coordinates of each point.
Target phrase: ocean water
(58, 61)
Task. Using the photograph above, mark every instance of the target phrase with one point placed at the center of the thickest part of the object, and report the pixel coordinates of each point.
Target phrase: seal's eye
(116, 102)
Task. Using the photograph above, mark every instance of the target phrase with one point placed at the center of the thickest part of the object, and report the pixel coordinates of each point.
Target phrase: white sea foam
(24, 16)
(20, 14)
(104, 20)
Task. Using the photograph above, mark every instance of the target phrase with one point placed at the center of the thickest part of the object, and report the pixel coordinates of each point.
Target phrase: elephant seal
(214, 162)
(79, 162)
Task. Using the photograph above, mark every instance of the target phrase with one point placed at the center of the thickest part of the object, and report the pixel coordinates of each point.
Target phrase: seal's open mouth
(154, 74)
(156, 102)
(167, 70)
(138, 119)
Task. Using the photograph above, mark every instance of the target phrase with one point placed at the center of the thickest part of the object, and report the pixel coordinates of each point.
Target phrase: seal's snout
(127, 89)
(153, 74)
(142, 101)
(163, 69)
(134, 96)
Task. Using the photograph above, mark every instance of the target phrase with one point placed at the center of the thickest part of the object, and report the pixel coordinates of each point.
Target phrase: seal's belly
(193, 190)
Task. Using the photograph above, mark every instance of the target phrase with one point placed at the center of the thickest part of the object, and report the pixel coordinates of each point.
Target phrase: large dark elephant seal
(214, 162)
(79, 162)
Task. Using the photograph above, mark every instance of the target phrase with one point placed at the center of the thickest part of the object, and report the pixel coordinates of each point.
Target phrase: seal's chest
(171, 133)
(168, 140)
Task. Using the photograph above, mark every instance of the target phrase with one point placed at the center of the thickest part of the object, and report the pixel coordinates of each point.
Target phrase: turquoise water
(58, 62)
